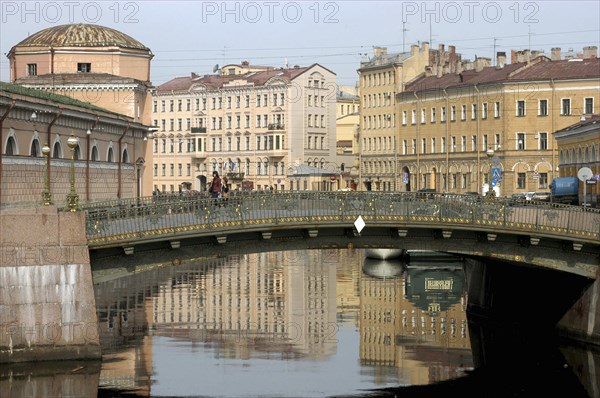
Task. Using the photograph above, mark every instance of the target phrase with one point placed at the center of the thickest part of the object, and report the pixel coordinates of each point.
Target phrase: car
(541, 196)
(518, 196)
(528, 195)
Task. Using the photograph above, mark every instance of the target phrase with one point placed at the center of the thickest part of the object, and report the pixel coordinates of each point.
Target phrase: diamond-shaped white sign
(359, 224)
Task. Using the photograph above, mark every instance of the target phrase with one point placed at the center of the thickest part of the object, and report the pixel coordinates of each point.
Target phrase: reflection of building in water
(398, 316)
(251, 297)
(348, 276)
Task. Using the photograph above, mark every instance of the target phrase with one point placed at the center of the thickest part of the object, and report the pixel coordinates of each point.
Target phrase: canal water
(317, 323)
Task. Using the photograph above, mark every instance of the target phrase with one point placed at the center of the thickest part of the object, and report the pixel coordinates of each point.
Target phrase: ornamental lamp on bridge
(72, 197)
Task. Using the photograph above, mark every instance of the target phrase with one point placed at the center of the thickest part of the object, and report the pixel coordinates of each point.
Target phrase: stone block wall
(47, 304)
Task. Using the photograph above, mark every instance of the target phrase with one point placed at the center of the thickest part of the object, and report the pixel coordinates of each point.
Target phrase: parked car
(541, 196)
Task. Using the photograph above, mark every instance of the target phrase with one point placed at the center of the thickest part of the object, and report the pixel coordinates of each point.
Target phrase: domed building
(81, 80)
(88, 62)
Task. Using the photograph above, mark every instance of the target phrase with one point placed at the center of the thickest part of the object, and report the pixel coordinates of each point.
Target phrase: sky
(195, 36)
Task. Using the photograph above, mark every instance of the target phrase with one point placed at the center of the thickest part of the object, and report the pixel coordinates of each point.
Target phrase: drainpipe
(87, 161)
(120, 159)
(418, 184)
(551, 139)
(10, 108)
(48, 137)
(478, 142)
(447, 141)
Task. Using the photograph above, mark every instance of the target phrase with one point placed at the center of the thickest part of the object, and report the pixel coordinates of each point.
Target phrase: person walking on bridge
(215, 185)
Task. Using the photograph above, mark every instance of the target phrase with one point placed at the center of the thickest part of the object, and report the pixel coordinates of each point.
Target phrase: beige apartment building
(256, 125)
(455, 130)
(381, 78)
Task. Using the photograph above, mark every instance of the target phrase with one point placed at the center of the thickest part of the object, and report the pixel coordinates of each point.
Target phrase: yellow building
(93, 64)
(254, 125)
(346, 130)
(578, 146)
(454, 128)
(382, 77)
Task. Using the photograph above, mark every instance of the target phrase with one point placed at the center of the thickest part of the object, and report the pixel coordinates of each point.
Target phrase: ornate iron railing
(113, 223)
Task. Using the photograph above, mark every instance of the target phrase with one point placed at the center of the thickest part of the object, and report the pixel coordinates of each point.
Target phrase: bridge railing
(168, 215)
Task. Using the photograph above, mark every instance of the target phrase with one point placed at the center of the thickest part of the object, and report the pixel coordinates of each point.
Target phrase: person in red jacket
(215, 185)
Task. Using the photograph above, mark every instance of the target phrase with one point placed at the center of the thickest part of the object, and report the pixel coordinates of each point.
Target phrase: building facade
(459, 132)
(107, 160)
(578, 146)
(254, 125)
(381, 78)
(346, 126)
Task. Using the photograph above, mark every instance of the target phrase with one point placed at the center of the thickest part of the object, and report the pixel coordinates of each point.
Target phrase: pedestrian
(215, 185)
(225, 189)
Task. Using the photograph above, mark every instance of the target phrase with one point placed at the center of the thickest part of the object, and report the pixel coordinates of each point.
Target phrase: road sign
(584, 174)
(536, 175)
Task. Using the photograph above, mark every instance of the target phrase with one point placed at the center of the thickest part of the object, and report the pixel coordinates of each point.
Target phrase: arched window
(57, 151)
(35, 148)
(109, 158)
(95, 154)
(125, 157)
(11, 147)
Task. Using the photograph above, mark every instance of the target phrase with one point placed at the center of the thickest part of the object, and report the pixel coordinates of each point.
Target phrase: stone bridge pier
(47, 304)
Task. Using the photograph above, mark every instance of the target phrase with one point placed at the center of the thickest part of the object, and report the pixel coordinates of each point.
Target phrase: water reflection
(310, 324)
(273, 321)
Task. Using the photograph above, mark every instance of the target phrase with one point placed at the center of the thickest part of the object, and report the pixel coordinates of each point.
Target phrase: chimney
(452, 49)
(428, 71)
(413, 49)
(441, 48)
(425, 46)
(500, 59)
(590, 52)
(481, 63)
(555, 54)
(379, 51)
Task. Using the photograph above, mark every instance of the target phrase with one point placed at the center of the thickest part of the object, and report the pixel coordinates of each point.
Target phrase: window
(453, 148)
(521, 108)
(520, 180)
(432, 115)
(453, 113)
(543, 137)
(543, 181)
(543, 108)
(473, 143)
(433, 145)
(484, 111)
(179, 105)
(31, 69)
(404, 117)
(162, 106)
(463, 112)
(496, 109)
(155, 106)
(520, 141)
(473, 111)
(443, 115)
(588, 104)
(414, 116)
(84, 67)
(163, 170)
(171, 105)
(464, 143)
(566, 107)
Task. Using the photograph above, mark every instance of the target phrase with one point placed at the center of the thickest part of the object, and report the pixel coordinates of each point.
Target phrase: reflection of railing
(276, 126)
(142, 219)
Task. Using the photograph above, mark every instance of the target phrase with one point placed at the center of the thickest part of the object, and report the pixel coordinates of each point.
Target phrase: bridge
(548, 235)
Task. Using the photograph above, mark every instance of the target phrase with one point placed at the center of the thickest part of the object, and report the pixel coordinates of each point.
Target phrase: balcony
(276, 126)
(198, 130)
(200, 154)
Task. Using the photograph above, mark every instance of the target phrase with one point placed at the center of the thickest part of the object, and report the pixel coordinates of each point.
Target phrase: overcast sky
(194, 36)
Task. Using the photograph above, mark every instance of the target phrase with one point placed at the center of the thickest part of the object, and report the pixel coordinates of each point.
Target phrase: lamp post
(46, 195)
(72, 197)
(490, 193)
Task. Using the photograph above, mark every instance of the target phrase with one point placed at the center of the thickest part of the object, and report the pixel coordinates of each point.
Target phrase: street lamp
(72, 197)
(490, 193)
(46, 195)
